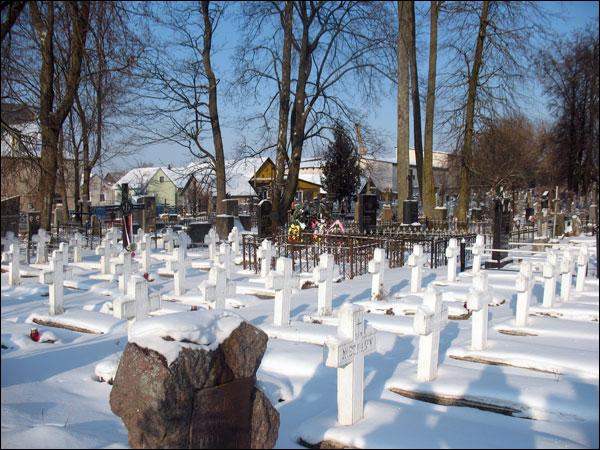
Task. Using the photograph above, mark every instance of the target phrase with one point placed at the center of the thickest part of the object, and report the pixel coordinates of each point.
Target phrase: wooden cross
(416, 261)
(377, 267)
(347, 352)
(41, 239)
(280, 280)
(477, 303)
(429, 320)
(582, 262)
(478, 251)
(14, 264)
(54, 278)
(323, 276)
(451, 253)
(265, 255)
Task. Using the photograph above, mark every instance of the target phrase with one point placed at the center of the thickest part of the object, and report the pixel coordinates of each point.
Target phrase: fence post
(463, 248)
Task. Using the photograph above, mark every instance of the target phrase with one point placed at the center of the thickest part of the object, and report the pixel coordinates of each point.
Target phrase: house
(101, 189)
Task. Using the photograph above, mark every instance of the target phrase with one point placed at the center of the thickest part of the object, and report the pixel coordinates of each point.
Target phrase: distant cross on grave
(280, 280)
(234, 240)
(184, 241)
(415, 262)
(106, 250)
(582, 262)
(225, 258)
(8, 239)
(452, 252)
(41, 239)
(549, 272)
(265, 254)
(524, 285)
(124, 265)
(76, 242)
(211, 241)
(178, 266)
(54, 278)
(63, 247)
(145, 246)
(565, 271)
(478, 251)
(323, 276)
(168, 240)
(112, 235)
(14, 264)
(377, 267)
(429, 320)
(216, 288)
(478, 299)
(347, 352)
(137, 304)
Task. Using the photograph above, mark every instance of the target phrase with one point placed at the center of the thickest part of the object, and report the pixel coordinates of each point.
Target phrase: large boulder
(194, 386)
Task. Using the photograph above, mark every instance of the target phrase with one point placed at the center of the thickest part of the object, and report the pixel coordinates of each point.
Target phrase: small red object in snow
(34, 335)
(146, 276)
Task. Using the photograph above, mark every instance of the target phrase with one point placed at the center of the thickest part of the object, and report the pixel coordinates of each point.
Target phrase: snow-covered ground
(51, 397)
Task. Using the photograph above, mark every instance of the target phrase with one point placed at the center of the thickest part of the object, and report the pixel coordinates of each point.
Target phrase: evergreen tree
(340, 166)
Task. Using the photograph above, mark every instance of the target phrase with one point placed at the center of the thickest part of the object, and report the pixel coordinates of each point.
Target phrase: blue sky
(567, 17)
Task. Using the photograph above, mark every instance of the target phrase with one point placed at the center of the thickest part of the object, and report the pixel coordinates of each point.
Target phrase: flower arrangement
(294, 233)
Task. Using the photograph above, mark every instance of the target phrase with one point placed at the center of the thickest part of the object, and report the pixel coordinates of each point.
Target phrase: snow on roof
(239, 173)
(137, 178)
(200, 329)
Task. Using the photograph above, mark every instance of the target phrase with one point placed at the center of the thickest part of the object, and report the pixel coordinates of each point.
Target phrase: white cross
(265, 254)
(524, 285)
(477, 303)
(225, 258)
(137, 238)
(14, 264)
(234, 240)
(54, 278)
(582, 262)
(565, 281)
(76, 242)
(377, 267)
(478, 250)
(168, 240)
(429, 320)
(8, 239)
(137, 304)
(549, 274)
(112, 235)
(42, 240)
(323, 275)
(211, 241)
(184, 241)
(145, 245)
(415, 262)
(178, 264)
(124, 265)
(216, 288)
(63, 247)
(451, 253)
(106, 250)
(346, 352)
(280, 280)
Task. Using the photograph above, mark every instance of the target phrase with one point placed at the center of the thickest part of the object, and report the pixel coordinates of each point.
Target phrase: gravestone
(9, 239)
(265, 255)
(452, 252)
(582, 263)
(524, 284)
(280, 280)
(263, 218)
(57, 216)
(478, 251)
(410, 211)
(387, 213)
(323, 276)
(13, 257)
(137, 303)
(415, 262)
(429, 320)
(211, 240)
(217, 288)
(9, 217)
(145, 247)
(178, 265)
(477, 302)
(41, 239)
(168, 239)
(146, 216)
(96, 226)
(198, 231)
(367, 214)
(124, 267)
(54, 278)
(76, 242)
(234, 241)
(565, 271)
(231, 207)
(501, 234)
(378, 266)
(246, 221)
(549, 272)
(347, 352)
(225, 258)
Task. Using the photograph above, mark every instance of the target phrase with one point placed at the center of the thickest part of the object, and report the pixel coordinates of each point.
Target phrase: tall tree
(416, 98)
(428, 180)
(402, 143)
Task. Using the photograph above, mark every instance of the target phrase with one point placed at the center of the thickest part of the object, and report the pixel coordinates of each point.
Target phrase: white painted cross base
(14, 264)
(280, 280)
(54, 278)
(265, 255)
(347, 353)
(41, 239)
(415, 262)
(429, 319)
(549, 274)
(478, 250)
(582, 262)
(452, 252)
(377, 267)
(323, 276)
(477, 302)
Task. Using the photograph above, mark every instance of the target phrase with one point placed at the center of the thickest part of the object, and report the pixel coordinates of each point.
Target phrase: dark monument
(410, 213)
(263, 218)
(501, 234)
(126, 209)
(146, 217)
(10, 215)
(231, 207)
(367, 212)
(197, 231)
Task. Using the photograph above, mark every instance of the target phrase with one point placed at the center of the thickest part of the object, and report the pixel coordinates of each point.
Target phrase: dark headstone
(146, 217)
(197, 231)
(411, 211)
(33, 223)
(246, 221)
(224, 224)
(263, 218)
(501, 234)
(528, 213)
(367, 212)
(10, 215)
(231, 207)
(476, 214)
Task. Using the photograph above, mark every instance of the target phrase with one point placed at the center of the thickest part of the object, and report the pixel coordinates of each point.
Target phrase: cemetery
(280, 268)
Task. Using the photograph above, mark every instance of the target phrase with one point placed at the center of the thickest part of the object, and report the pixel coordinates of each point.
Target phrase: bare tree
(402, 151)
(416, 97)
(10, 13)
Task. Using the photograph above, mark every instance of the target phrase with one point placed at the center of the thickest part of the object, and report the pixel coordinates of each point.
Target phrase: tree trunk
(416, 99)
(213, 110)
(76, 178)
(278, 215)
(428, 179)
(62, 177)
(402, 155)
(465, 168)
